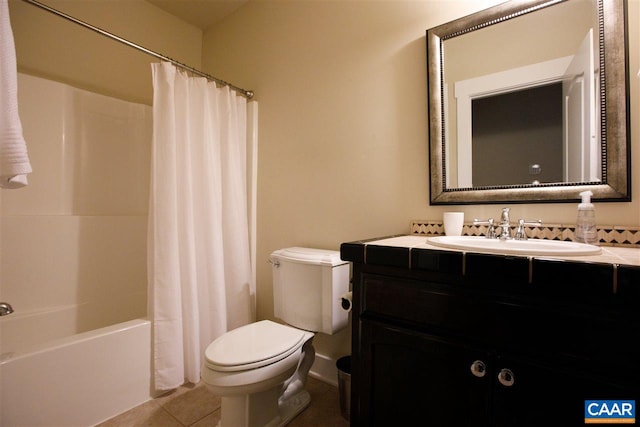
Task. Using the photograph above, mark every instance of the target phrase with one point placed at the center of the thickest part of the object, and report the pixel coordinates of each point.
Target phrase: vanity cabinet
(445, 349)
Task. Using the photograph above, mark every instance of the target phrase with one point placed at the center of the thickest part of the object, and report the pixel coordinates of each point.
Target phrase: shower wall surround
(77, 234)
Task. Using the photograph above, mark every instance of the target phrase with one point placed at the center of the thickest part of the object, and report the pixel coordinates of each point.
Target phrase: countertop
(609, 254)
(615, 272)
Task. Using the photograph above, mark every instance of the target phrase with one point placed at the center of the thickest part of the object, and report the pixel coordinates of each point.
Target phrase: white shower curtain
(199, 267)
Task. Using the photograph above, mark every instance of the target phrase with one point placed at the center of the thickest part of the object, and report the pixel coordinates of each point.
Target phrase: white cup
(453, 222)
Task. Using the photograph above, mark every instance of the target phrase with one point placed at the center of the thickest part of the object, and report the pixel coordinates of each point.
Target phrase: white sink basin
(515, 247)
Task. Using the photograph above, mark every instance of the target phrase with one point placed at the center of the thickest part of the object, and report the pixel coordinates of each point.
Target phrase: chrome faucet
(505, 234)
(505, 225)
(5, 308)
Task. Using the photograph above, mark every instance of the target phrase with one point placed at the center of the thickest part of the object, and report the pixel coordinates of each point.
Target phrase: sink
(514, 247)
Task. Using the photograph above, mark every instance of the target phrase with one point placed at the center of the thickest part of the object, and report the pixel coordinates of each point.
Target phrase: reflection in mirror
(520, 103)
(516, 138)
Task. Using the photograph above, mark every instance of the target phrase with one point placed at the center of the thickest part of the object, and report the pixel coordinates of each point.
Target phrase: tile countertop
(609, 254)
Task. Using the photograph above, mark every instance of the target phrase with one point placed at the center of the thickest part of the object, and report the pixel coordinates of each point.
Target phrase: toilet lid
(253, 345)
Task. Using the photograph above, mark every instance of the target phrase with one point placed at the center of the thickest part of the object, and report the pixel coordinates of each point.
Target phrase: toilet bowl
(259, 370)
(252, 367)
(253, 357)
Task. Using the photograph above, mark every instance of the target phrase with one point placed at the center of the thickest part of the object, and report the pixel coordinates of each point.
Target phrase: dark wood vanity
(446, 338)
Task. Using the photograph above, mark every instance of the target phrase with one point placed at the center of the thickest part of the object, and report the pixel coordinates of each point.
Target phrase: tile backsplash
(607, 235)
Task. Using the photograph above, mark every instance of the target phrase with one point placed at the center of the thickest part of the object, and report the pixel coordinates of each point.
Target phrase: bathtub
(77, 380)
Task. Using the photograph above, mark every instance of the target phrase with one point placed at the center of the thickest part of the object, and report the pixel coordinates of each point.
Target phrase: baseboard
(324, 369)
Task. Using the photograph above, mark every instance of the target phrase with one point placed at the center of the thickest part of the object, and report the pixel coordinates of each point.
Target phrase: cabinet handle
(505, 376)
(478, 368)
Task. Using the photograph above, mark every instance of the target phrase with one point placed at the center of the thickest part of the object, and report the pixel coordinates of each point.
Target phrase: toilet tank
(307, 288)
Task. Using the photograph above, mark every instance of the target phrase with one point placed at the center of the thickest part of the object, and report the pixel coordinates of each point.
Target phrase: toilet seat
(253, 346)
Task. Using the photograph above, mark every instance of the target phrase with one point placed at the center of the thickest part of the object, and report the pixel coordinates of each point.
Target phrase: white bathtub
(78, 380)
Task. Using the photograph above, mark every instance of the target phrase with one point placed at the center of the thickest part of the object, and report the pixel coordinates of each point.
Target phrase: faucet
(505, 225)
(505, 234)
(5, 308)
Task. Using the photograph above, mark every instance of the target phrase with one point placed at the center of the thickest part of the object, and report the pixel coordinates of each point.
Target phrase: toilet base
(274, 402)
(241, 415)
(293, 406)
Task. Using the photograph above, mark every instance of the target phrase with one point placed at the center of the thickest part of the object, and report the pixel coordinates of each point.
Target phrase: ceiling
(201, 13)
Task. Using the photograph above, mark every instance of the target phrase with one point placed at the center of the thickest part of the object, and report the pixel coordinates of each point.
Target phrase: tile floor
(195, 406)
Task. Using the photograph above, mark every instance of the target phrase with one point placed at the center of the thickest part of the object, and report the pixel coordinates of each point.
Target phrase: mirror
(528, 102)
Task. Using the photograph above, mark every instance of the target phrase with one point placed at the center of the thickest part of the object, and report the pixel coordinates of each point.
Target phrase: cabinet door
(413, 379)
(528, 394)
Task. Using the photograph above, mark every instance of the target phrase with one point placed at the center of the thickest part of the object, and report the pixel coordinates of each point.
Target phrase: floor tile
(193, 405)
(324, 409)
(210, 420)
(148, 414)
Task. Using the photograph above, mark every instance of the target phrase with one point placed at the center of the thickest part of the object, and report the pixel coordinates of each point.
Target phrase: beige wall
(343, 122)
(49, 46)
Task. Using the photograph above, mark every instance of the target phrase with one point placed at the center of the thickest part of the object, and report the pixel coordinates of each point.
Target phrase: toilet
(259, 370)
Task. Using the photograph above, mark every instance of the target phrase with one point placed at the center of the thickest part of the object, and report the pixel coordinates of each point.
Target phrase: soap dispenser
(586, 231)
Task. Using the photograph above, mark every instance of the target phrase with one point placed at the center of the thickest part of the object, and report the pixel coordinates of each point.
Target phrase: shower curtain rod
(246, 93)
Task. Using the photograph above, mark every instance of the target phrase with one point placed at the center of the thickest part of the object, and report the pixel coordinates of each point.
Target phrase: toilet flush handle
(274, 263)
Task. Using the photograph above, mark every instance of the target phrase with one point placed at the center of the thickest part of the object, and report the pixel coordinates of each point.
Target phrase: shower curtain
(199, 267)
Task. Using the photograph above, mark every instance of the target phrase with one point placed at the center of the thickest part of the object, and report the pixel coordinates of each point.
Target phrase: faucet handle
(491, 230)
(520, 233)
(5, 309)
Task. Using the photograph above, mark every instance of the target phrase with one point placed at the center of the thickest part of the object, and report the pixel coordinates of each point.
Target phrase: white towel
(14, 160)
